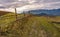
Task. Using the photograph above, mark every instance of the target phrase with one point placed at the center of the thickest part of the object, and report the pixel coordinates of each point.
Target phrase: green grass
(32, 26)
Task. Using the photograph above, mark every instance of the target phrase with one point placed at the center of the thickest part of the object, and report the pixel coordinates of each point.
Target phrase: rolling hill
(3, 12)
(29, 26)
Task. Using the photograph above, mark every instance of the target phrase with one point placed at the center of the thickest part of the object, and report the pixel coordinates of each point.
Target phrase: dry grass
(31, 26)
(3, 13)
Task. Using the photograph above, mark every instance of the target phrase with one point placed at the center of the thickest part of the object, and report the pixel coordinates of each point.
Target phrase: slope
(29, 26)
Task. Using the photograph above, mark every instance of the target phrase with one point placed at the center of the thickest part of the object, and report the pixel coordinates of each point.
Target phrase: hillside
(3, 12)
(29, 26)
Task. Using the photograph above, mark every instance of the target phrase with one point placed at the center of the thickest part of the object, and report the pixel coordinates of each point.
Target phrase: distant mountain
(55, 12)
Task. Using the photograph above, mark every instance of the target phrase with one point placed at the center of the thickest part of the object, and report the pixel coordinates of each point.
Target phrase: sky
(25, 5)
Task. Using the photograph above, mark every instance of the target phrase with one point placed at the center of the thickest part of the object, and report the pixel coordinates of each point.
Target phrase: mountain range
(55, 12)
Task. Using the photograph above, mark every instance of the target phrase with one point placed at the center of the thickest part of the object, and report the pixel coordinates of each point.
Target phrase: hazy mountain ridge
(54, 12)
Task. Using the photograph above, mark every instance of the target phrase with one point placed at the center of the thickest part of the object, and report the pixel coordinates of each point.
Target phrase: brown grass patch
(3, 13)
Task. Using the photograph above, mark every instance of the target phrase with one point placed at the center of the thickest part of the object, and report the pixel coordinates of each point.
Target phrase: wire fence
(23, 27)
(18, 22)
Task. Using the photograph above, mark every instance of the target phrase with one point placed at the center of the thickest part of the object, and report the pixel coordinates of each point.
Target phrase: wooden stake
(16, 13)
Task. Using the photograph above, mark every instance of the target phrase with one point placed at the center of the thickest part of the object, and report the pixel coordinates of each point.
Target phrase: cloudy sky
(23, 5)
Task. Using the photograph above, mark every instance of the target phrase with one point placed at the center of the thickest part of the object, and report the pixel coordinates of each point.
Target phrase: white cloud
(8, 9)
(52, 5)
(30, 4)
(29, 7)
(1, 5)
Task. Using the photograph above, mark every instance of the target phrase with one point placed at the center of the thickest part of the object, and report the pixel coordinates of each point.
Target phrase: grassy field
(29, 26)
